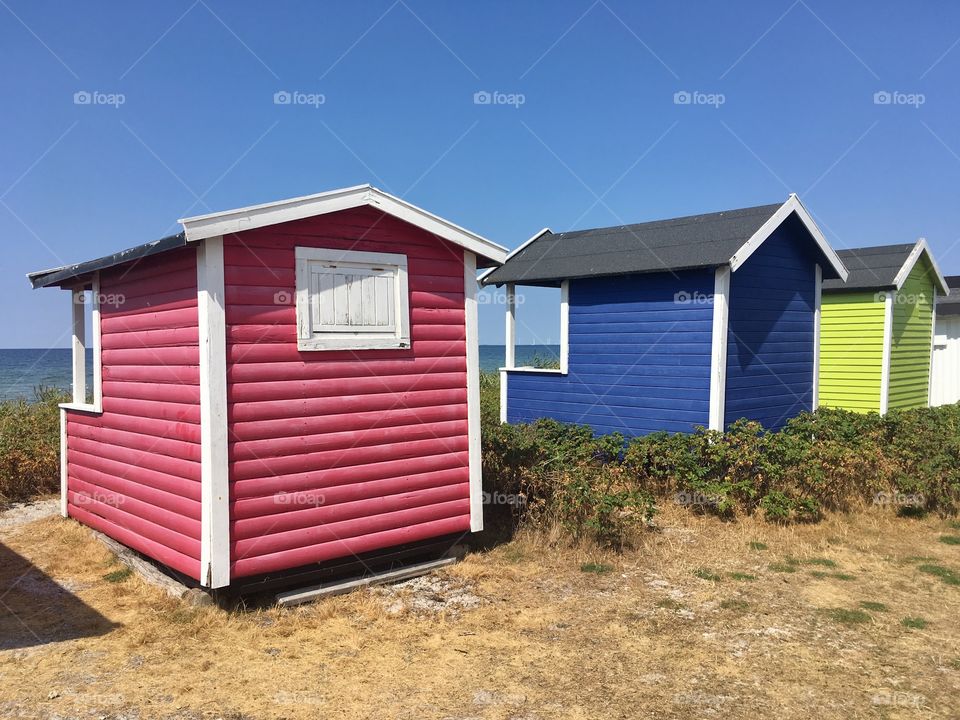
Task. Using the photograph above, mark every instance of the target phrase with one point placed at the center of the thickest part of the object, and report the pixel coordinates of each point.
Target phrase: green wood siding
(912, 325)
(851, 350)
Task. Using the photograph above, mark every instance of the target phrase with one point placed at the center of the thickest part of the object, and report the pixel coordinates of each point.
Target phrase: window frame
(309, 339)
(79, 347)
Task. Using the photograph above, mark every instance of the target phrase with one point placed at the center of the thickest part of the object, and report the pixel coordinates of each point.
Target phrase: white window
(348, 300)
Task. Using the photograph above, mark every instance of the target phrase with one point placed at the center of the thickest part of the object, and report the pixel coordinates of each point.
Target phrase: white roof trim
(537, 236)
(792, 204)
(199, 227)
(919, 249)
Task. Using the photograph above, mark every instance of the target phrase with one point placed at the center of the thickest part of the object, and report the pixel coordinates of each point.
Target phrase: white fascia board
(483, 276)
(918, 250)
(792, 205)
(227, 222)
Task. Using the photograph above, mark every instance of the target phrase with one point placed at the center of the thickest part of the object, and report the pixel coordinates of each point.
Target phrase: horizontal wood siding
(851, 350)
(334, 453)
(771, 330)
(134, 470)
(912, 328)
(639, 362)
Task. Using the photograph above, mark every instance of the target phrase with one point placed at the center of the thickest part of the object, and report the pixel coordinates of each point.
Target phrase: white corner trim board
(817, 303)
(214, 469)
(64, 474)
(255, 216)
(888, 298)
(718, 360)
(475, 461)
(792, 205)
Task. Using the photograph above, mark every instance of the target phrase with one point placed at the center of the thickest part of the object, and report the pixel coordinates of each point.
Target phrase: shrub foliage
(30, 446)
(604, 486)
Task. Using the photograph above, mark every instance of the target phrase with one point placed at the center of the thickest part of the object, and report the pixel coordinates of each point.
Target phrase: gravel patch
(23, 513)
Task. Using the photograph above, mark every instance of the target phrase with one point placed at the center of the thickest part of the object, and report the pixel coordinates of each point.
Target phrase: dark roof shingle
(950, 304)
(675, 244)
(871, 268)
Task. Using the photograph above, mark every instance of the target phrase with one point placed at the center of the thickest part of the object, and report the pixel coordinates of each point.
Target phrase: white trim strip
(214, 469)
(919, 249)
(564, 326)
(933, 334)
(78, 344)
(514, 253)
(470, 287)
(97, 341)
(792, 205)
(199, 227)
(503, 395)
(817, 302)
(887, 343)
(510, 329)
(531, 369)
(64, 474)
(718, 360)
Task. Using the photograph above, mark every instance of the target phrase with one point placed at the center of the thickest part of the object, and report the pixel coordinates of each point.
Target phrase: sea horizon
(24, 370)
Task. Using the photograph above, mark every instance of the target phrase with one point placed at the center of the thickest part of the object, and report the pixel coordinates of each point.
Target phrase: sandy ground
(703, 619)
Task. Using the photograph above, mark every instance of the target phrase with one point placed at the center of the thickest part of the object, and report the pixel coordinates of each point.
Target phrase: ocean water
(24, 370)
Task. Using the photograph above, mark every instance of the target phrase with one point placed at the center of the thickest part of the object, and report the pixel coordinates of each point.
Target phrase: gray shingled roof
(68, 273)
(679, 243)
(950, 304)
(871, 268)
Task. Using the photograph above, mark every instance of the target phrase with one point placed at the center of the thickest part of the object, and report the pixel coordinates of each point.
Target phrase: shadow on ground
(36, 610)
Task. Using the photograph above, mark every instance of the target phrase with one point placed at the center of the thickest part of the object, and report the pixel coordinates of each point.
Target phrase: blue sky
(589, 131)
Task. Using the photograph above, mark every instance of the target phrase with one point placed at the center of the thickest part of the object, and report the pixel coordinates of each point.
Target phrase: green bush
(907, 461)
(30, 446)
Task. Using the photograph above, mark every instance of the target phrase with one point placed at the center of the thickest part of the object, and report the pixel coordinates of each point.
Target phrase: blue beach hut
(676, 323)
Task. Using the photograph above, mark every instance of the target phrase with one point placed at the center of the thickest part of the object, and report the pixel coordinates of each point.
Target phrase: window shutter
(355, 297)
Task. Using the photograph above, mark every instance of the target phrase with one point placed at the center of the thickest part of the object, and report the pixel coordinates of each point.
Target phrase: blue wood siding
(639, 359)
(770, 331)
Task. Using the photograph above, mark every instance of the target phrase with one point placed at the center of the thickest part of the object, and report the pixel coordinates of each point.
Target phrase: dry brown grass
(648, 639)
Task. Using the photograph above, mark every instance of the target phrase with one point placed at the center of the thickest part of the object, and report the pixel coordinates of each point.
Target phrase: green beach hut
(876, 329)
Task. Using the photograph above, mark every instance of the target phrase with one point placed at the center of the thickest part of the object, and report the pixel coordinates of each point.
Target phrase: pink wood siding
(340, 452)
(134, 471)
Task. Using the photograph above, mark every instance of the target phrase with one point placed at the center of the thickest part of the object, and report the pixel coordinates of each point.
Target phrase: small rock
(195, 597)
(52, 694)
